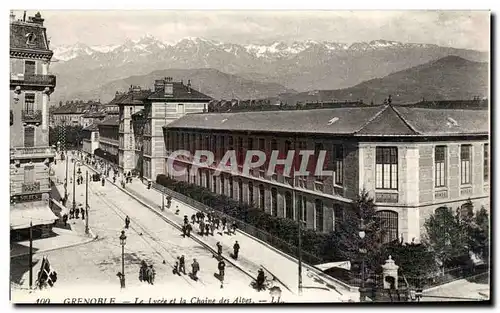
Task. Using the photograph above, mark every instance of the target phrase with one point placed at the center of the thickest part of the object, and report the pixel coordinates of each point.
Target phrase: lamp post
(86, 202)
(74, 184)
(362, 251)
(123, 239)
(163, 198)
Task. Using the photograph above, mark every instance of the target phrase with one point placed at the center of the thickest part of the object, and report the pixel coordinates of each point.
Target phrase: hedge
(318, 244)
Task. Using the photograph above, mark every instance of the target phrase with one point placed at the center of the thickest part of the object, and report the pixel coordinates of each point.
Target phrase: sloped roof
(180, 92)
(112, 120)
(330, 121)
(19, 31)
(133, 97)
(357, 121)
(77, 108)
(445, 121)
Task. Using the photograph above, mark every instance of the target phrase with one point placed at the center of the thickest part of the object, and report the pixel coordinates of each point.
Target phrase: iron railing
(32, 116)
(31, 187)
(34, 80)
(33, 151)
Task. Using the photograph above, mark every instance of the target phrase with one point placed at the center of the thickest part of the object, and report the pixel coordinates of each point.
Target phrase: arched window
(338, 212)
(231, 189)
(389, 225)
(274, 202)
(262, 198)
(222, 189)
(318, 214)
(467, 210)
(288, 205)
(240, 191)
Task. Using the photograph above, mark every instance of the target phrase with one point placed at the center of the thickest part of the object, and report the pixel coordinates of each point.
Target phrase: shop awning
(61, 207)
(326, 266)
(38, 213)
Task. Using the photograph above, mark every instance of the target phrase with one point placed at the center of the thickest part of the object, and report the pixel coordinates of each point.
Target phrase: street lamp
(74, 183)
(362, 251)
(123, 239)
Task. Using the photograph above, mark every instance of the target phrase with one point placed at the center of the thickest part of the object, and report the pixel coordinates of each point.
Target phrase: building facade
(108, 138)
(412, 161)
(78, 113)
(30, 153)
(90, 139)
(170, 101)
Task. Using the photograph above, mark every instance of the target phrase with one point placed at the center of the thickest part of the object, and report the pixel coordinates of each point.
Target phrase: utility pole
(86, 202)
(74, 183)
(31, 254)
(299, 214)
(300, 252)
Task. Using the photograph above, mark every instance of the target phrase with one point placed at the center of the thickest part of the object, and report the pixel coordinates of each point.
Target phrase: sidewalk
(253, 255)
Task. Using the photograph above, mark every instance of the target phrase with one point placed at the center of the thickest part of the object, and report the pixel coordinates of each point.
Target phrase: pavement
(460, 290)
(253, 254)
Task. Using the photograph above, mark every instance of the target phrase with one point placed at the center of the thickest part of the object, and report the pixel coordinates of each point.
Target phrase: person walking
(127, 222)
(222, 267)
(223, 220)
(182, 265)
(151, 274)
(186, 221)
(193, 218)
(236, 249)
(202, 227)
(189, 228)
(195, 269)
(207, 229)
(219, 248)
(83, 213)
(77, 212)
(212, 228)
(175, 271)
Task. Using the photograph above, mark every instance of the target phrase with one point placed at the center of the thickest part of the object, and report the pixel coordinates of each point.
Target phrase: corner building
(30, 153)
(411, 160)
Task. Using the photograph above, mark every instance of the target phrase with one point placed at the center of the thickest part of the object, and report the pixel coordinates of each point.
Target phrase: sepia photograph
(249, 156)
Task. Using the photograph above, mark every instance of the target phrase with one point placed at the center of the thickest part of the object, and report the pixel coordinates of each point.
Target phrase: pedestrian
(217, 221)
(175, 271)
(127, 222)
(202, 216)
(236, 249)
(234, 226)
(197, 217)
(212, 228)
(114, 179)
(77, 212)
(207, 228)
(193, 218)
(143, 274)
(184, 230)
(177, 210)
(186, 221)
(83, 213)
(223, 220)
(209, 217)
(202, 227)
(71, 213)
(103, 181)
(65, 219)
(189, 228)
(219, 248)
(182, 265)
(261, 278)
(195, 268)
(151, 274)
(221, 266)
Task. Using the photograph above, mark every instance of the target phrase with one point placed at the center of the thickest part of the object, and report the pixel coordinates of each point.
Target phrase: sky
(459, 29)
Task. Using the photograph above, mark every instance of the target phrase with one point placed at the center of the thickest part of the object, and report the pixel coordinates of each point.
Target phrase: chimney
(24, 16)
(12, 16)
(159, 85)
(189, 86)
(169, 87)
(37, 19)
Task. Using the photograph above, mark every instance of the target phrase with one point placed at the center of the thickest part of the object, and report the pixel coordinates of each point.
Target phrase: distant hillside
(211, 82)
(448, 78)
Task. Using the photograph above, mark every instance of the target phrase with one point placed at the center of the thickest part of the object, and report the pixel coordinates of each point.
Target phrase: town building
(108, 139)
(90, 139)
(411, 161)
(30, 154)
(169, 101)
(78, 113)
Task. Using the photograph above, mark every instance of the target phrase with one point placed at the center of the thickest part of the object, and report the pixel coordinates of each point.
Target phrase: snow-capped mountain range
(277, 49)
(301, 65)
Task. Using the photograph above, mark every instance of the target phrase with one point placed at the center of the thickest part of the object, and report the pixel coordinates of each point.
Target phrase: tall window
(338, 164)
(250, 143)
(29, 136)
(207, 179)
(440, 166)
(389, 225)
(214, 184)
(262, 198)
(302, 208)
(29, 68)
(29, 102)
(465, 164)
(222, 189)
(318, 210)
(29, 174)
(288, 205)
(240, 191)
(387, 168)
(180, 108)
(274, 202)
(486, 167)
(241, 156)
(339, 216)
(231, 189)
(250, 193)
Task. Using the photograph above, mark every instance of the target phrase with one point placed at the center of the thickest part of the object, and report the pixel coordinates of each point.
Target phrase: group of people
(212, 222)
(147, 273)
(180, 267)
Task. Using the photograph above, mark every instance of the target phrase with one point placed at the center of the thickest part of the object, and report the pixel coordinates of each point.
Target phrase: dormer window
(30, 38)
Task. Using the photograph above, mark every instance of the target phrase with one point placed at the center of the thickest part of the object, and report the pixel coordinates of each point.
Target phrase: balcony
(34, 80)
(32, 152)
(31, 116)
(31, 187)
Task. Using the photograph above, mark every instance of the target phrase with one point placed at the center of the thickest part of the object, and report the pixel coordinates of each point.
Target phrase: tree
(480, 233)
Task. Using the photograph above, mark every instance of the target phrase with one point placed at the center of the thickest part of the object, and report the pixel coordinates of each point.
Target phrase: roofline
(406, 122)
(180, 99)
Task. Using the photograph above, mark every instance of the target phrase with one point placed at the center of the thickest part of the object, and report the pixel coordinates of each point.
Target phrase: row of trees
(450, 235)
(73, 135)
